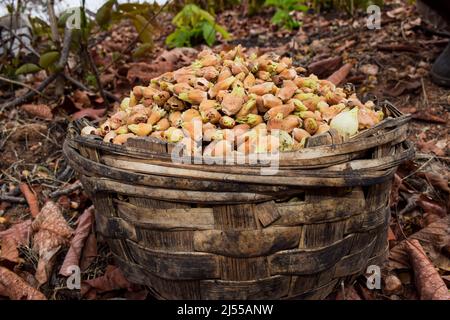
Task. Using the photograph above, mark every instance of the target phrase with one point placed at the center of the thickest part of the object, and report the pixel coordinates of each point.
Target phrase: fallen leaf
(324, 67)
(433, 238)
(394, 196)
(436, 180)
(350, 294)
(392, 285)
(427, 280)
(14, 287)
(339, 76)
(430, 206)
(144, 72)
(398, 47)
(345, 46)
(402, 87)
(89, 251)
(18, 234)
(81, 99)
(428, 117)
(41, 111)
(113, 279)
(430, 146)
(77, 243)
(369, 69)
(52, 232)
(89, 113)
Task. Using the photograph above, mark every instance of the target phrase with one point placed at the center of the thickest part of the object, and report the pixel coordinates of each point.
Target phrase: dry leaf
(41, 111)
(14, 287)
(81, 99)
(436, 180)
(430, 146)
(18, 234)
(432, 238)
(369, 69)
(113, 279)
(52, 233)
(77, 244)
(89, 251)
(339, 76)
(89, 113)
(324, 67)
(428, 281)
(402, 87)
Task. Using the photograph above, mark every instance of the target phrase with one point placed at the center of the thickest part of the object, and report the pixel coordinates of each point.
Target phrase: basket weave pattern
(192, 231)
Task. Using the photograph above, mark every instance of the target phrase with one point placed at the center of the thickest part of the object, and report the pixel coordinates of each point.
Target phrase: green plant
(284, 9)
(194, 25)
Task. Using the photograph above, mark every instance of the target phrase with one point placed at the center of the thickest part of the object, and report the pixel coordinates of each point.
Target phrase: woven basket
(197, 231)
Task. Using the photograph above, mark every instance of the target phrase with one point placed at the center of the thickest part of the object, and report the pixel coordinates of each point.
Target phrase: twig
(425, 96)
(12, 199)
(29, 94)
(53, 21)
(75, 186)
(31, 199)
(21, 84)
(418, 169)
(96, 75)
(19, 38)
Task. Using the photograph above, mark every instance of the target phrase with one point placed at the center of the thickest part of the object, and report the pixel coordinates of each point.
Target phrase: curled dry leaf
(14, 287)
(52, 232)
(31, 198)
(41, 111)
(431, 146)
(324, 67)
(89, 113)
(113, 279)
(18, 234)
(428, 281)
(369, 69)
(89, 251)
(77, 243)
(433, 238)
(339, 76)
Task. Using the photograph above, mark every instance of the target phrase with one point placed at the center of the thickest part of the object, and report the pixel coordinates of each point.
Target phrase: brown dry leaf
(394, 196)
(178, 57)
(77, 244)
(428, 117)
(18, 234)
(113, 279)
(350, 294)
(436, 180)
(89, 113)
(369, 69)
(52, 233)
(430, 146)
(324, 67)
(41, 111)
(14, 287)
(339, 76)
(431, 206)
(402, 87)
(81, 99)
(433, 238)
(89, 251)
(428, 281)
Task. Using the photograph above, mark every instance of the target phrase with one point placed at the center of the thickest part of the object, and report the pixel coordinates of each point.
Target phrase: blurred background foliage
(194, 22)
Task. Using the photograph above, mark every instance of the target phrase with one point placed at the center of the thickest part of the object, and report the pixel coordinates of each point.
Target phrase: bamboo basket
(197, 231)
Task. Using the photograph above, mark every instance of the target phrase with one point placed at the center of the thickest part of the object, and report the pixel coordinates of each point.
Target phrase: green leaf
(143, 28)
(27, 68)
(103, 16)
(48, 59)
(180, 38)
(142, 50)
(209, 33)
